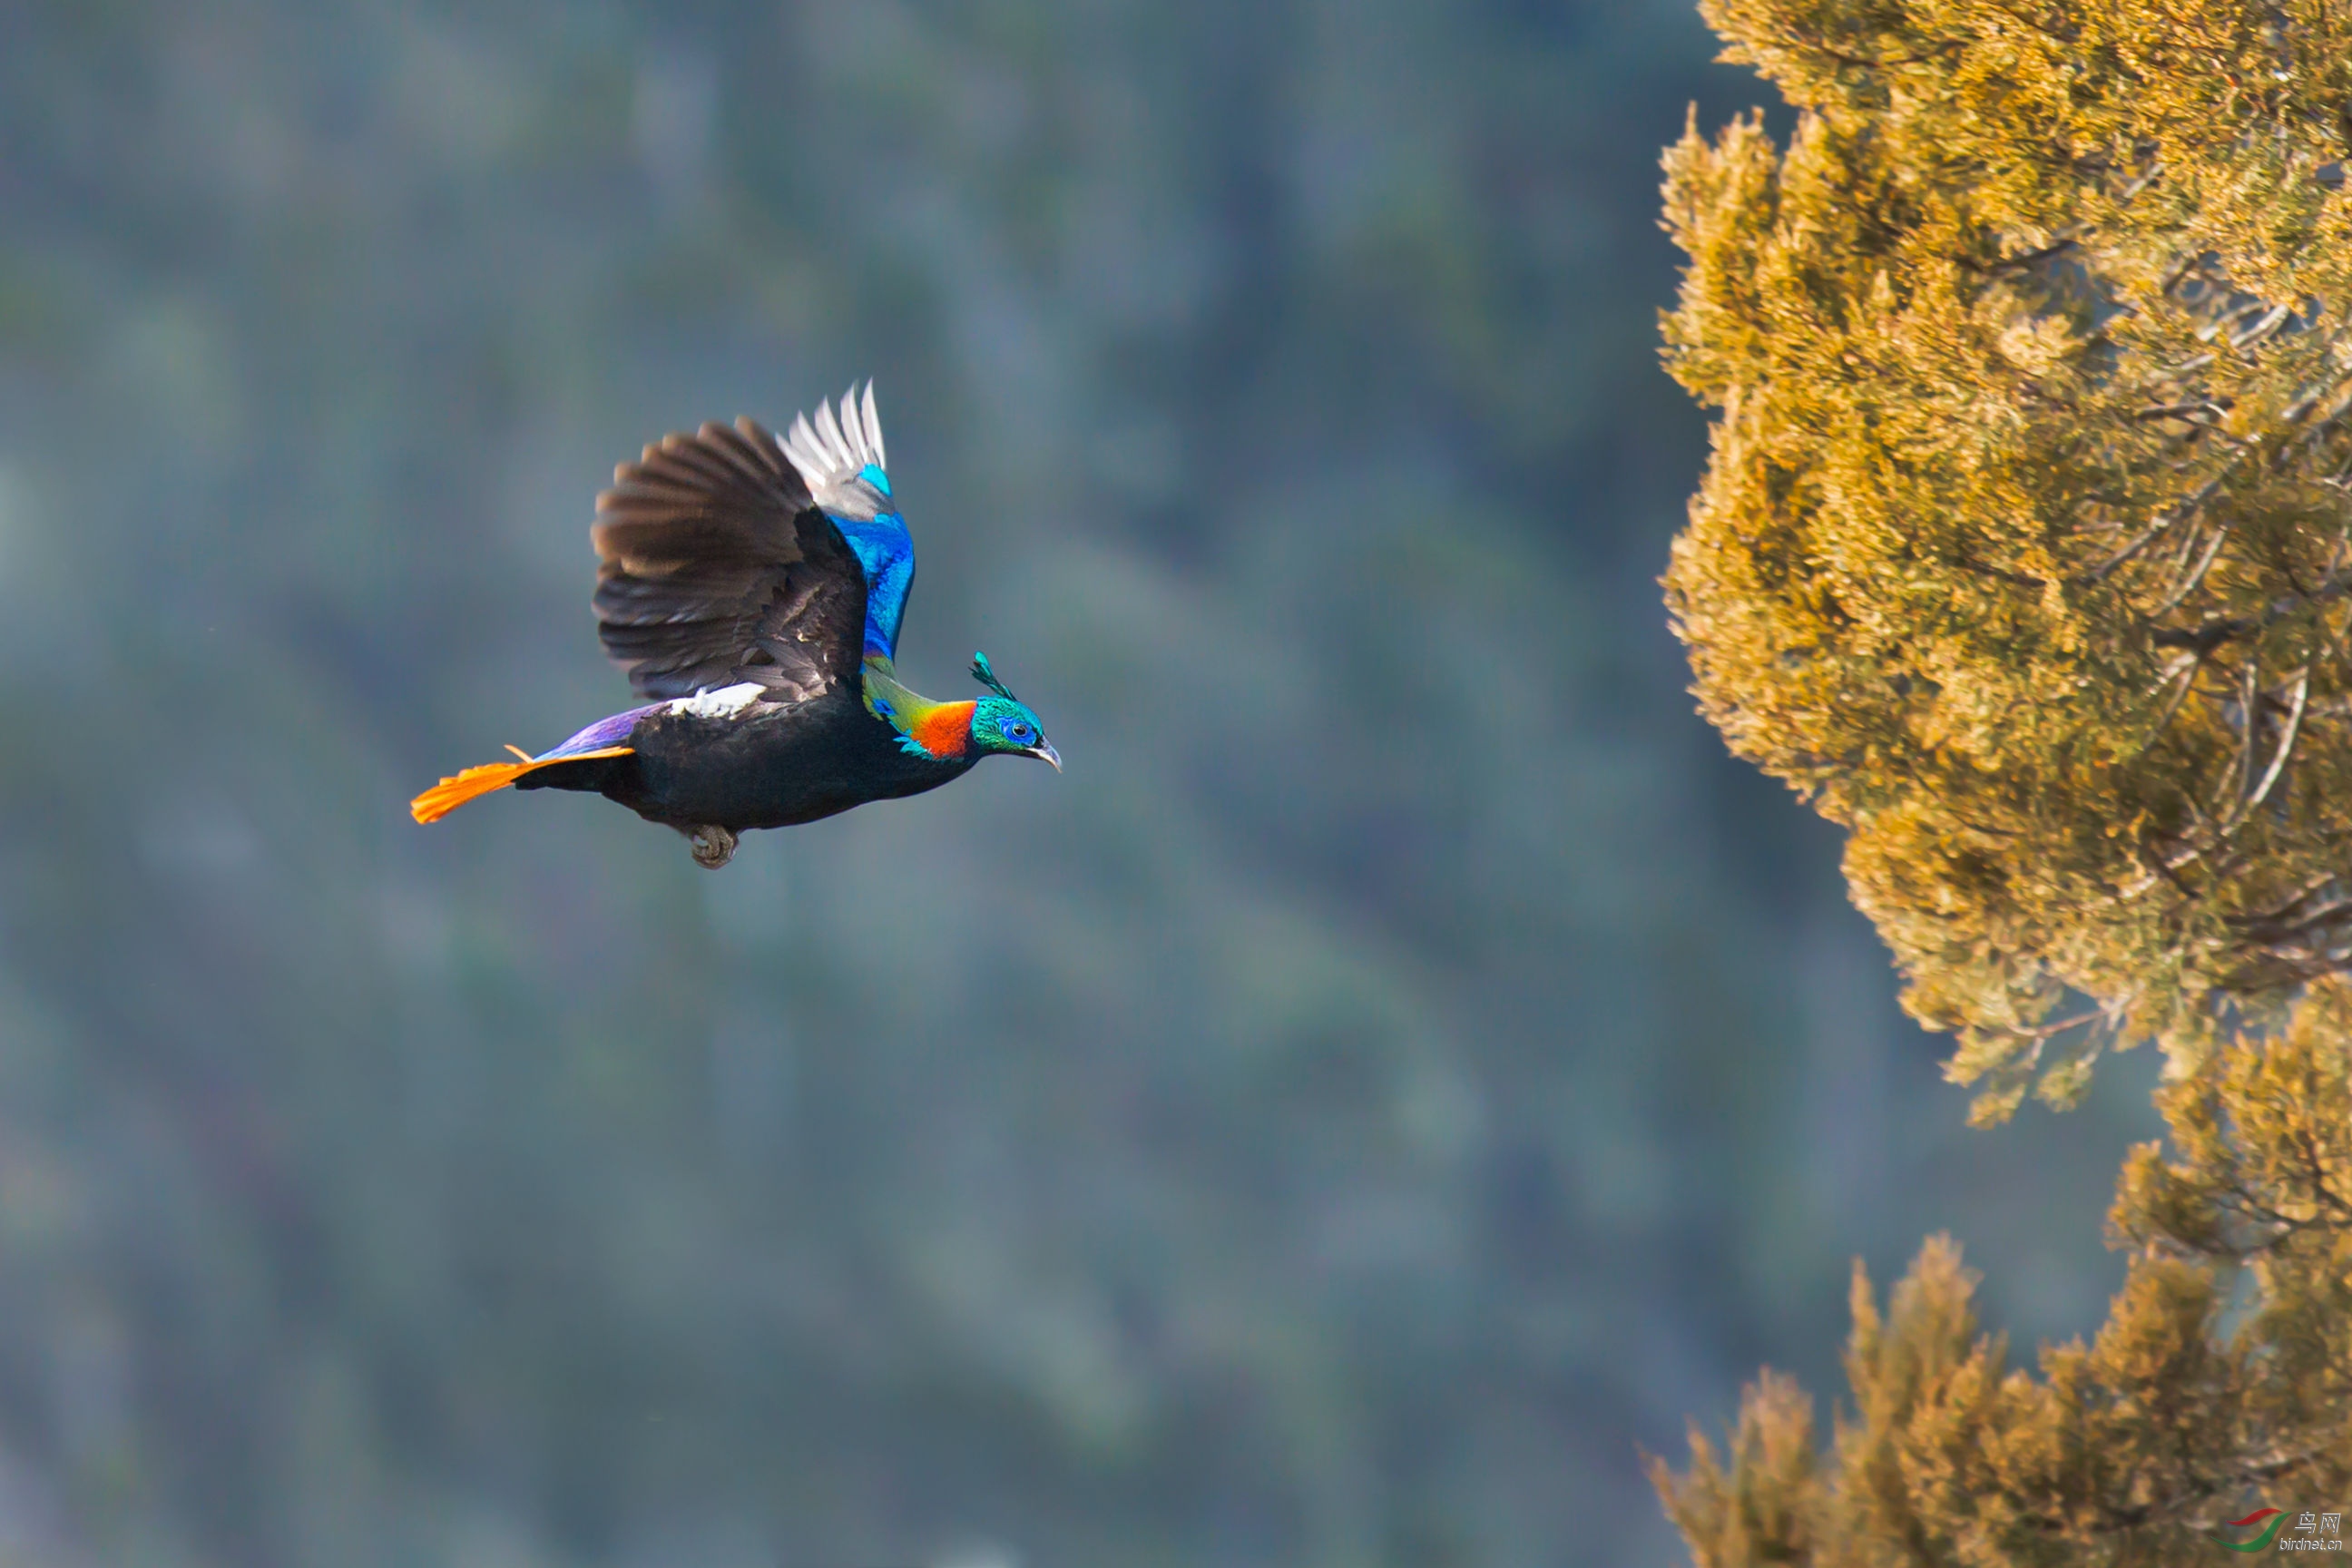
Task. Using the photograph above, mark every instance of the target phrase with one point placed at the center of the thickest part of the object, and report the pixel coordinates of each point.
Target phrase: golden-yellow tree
(2025, 553)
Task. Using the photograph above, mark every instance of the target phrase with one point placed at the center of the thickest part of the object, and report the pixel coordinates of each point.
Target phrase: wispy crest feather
(834, 450)
(983, 672)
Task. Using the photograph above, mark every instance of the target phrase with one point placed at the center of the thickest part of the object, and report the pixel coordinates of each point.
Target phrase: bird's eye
(1019, 734)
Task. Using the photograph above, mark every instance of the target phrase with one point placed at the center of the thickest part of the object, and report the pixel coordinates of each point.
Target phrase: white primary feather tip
(834, 448)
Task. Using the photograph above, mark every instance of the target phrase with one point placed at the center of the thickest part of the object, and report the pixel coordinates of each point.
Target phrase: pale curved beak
(1043, 751)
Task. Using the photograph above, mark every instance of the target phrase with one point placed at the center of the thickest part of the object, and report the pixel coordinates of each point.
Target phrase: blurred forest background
(1400, 1070)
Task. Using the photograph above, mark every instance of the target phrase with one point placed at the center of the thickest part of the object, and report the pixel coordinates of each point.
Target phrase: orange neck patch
(945, 731)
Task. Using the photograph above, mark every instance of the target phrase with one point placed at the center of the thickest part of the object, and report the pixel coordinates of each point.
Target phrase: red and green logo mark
(2260, 1543)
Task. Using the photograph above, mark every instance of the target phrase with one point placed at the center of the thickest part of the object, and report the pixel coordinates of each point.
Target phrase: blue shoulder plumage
(840, 455)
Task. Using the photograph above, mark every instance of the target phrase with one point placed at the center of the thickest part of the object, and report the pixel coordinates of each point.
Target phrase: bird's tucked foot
(713, 845)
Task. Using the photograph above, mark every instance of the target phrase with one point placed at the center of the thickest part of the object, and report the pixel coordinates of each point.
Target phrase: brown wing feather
(717, 568)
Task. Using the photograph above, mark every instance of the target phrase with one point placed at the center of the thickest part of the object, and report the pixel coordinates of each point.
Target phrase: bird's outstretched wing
(718, 567)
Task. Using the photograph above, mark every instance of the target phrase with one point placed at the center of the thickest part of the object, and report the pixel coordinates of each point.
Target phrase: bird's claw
(713, 845)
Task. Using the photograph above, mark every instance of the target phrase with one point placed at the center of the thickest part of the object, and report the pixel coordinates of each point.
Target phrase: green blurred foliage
(1399, 1067)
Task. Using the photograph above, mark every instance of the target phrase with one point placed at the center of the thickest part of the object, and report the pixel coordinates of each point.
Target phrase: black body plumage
(774, 769)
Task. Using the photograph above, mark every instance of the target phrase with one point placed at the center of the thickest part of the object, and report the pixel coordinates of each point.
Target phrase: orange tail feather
(454, 792)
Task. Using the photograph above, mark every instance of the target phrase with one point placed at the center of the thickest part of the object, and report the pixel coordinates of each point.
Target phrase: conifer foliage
(2222, 1377)
(2025, 553)
(2024, 548)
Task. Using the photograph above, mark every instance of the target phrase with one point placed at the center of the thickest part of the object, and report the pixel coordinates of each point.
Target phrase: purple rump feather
(603, 732)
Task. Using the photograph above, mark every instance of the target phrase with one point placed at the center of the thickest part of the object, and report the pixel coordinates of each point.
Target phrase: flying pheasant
(752, 589)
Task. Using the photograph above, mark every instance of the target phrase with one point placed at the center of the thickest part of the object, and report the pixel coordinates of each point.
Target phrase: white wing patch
(726, 702)
(834, 452)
